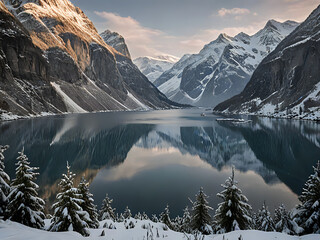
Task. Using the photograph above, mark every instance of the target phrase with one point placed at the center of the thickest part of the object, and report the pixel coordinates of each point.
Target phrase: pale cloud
(140, 39)
(143, 41)
(233, 11)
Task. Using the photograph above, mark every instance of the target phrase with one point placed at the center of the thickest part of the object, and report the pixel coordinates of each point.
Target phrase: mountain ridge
(222, 68)
(79, 71)
(286, 82)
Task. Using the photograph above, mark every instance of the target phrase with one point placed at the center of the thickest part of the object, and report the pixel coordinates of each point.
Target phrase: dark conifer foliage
(200, 217)
(88, 203)
(165, 217)
(233, 212)
(308, 212)
(264, 220)
(68, 214)
(4, 182)
(24, 205)
(106, 211)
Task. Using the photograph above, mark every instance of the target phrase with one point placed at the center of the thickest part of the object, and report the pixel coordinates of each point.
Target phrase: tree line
(74, 208)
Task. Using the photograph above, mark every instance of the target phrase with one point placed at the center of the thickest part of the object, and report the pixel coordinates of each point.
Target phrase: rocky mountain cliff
(286, 83)
(222, 68)
(153, 67)
(53, 60)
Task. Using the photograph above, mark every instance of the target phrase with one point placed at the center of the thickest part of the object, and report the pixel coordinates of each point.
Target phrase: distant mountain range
(153, 67)
(53, 60)
(222, 68)
(287, 82)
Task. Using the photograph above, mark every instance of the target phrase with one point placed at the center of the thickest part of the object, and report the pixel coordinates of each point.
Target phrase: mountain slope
(134, 79)
(223, 67)
(73, 68)
(153, 67)
(286, 83)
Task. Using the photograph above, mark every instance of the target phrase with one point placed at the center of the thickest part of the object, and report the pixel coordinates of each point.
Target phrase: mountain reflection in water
(148, 159)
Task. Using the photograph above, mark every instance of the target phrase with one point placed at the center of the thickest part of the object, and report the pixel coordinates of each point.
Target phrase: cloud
(233, 11)
(140, 39)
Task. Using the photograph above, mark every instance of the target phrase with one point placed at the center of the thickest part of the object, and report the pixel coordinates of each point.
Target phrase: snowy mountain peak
(116, 41)
(286, 83)
(223, 67)
(224, 38)
(153, 67)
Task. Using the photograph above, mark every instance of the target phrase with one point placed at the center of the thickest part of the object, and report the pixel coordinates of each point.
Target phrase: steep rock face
(153, 67)
(136, 83)
(286, 83)
(69, 59)
(116, 41)
(223, 67)
(24, 71)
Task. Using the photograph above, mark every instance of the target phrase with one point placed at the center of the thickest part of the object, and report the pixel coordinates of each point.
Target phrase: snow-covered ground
(143, 228)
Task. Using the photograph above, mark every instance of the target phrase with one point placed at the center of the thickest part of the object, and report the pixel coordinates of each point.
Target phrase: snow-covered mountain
(53, 60)
(286, 83)
(153, 67)
(223, 67)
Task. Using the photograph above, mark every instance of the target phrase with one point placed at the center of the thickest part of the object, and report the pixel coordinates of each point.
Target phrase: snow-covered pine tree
(4, 182)
(68, 214)
(200, 217)
(165, 217)
(106, 211)
(234, 211)
(283, 221)
(24, 205)
(186, 220)
(145, 216)
(138, 216)
(264, 220)
(154, 218)
(88, 203)
(127, 213)
(308, 211)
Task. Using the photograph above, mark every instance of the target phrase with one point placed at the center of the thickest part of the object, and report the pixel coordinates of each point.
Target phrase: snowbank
(11, 230)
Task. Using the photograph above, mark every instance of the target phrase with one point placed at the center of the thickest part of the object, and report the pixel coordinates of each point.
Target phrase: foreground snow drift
(16, 231)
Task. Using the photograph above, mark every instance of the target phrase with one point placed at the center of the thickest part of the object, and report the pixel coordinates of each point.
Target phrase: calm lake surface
(148, 159)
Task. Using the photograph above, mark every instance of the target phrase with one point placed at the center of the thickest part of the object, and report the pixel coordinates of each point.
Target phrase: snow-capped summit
(223, 67)
(153, 67)
(286, 83)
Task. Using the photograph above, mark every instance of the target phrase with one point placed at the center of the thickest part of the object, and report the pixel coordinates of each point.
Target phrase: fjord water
(146, 160)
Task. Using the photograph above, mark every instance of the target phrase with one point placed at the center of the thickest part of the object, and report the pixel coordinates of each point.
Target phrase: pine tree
(283, 222)
(264, 220)
(308, 212)
(154, 218)
(145, 216)
(24, 204)
(234, 211)
(68, 214)
(186, 220)
(165, 217)
(106, 211)
(138, 216)
(127, 213)
(4, 182)
(200, 217)
(88, 204)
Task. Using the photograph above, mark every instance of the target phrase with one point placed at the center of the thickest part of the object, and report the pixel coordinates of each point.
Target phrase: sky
(178, 27)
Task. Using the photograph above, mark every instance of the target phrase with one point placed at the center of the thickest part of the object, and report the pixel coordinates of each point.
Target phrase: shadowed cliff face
(24, 71)
(55, 61)
(287, 79)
